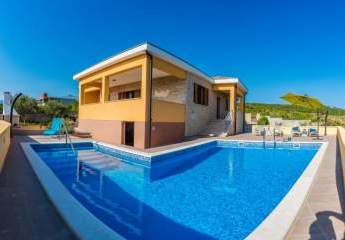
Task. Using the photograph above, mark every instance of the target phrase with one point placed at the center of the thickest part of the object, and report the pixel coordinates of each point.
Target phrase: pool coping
(275, 226)
(175, 149)
(161, 152)
(80, 220)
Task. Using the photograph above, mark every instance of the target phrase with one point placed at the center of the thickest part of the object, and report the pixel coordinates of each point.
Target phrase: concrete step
(98, 160)
(216, 128)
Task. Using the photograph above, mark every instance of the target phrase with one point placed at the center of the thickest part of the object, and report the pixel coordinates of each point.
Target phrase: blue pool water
(217, 190)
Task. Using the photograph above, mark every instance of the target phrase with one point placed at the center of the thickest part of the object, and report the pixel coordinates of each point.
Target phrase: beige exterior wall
(197, 116)
(164, 111)
(110, 131)
(4, 141)
(168, 110)
(124, 110)
(92, 97)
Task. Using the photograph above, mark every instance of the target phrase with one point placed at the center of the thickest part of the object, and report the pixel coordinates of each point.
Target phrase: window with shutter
(200, 95)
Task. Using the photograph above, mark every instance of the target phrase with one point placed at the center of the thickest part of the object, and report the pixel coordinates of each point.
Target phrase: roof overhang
(231, 81)
(156, 52)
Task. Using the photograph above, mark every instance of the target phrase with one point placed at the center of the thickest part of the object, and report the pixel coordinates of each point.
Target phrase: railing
(68, 138)
(228, 121)
(274, 138)
(264, 134)
(227, 116)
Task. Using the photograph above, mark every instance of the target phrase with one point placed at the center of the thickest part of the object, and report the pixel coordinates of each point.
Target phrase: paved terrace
(25, 210)
(322, 215)
(29, 214)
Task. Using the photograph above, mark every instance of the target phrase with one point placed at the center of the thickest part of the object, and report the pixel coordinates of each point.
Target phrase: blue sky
(273, 46)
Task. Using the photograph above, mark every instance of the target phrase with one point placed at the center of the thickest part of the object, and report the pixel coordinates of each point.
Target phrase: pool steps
(97, 160)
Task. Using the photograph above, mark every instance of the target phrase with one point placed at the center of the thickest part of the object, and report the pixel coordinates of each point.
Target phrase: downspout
(12, 107)
(150, 105)
(244, 113)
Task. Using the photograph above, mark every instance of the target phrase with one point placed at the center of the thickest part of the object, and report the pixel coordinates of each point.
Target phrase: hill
(286, 111)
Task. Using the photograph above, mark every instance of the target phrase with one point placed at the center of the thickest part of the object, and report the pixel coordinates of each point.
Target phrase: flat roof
(162, 54)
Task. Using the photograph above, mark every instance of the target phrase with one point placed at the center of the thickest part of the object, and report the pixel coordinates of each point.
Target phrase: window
(129, 94)
(200, 95)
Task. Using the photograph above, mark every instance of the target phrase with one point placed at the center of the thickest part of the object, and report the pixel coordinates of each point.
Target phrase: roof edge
(157, 52)
(230, 80)
(129, 53)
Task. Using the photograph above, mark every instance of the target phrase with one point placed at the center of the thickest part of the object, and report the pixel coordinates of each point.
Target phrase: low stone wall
(331, 130)
(35, 118)
(4, 141)
(15, 119)
(341, 142)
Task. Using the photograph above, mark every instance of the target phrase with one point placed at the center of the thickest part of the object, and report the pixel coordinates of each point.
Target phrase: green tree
(56, 109)
(1, 108)
(26, 105)
(74, 107)
(263, 121)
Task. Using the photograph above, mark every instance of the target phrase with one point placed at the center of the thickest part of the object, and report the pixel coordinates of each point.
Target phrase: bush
(263, 121)
(26, 105)
(55, 109)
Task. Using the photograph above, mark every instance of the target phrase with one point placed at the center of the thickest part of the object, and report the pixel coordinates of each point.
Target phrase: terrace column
(232, 101)
(105, 89)
(144, 134)
(242, 104)
(243, 109)
(81, 93)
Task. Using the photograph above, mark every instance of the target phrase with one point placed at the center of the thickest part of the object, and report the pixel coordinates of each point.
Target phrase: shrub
(263, 121)
(26, 105)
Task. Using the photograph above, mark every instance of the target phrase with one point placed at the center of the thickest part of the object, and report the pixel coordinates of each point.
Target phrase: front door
(129, 133)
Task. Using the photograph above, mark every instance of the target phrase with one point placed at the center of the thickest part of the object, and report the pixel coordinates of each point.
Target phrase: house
(70, 99)
(147, 97)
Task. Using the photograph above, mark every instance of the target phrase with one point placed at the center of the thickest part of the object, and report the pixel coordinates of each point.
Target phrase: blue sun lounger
(55, 128)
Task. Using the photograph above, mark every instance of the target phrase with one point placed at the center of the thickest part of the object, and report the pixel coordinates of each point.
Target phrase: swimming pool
(215, 190)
